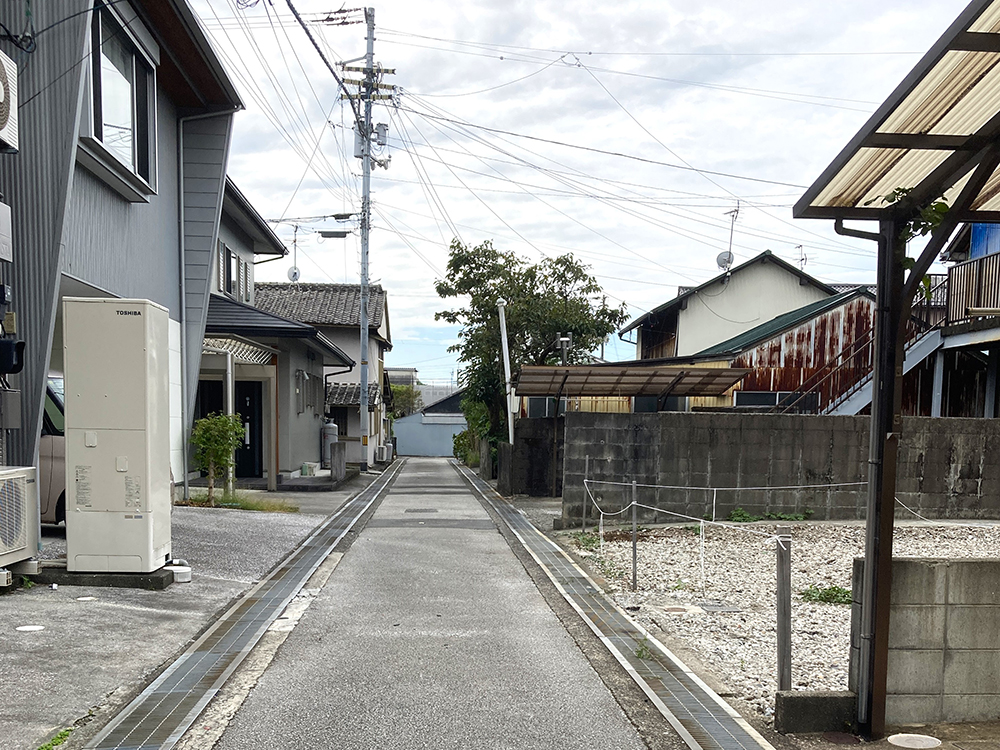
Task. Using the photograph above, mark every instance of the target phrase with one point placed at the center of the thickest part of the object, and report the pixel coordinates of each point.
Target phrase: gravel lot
(738, 643)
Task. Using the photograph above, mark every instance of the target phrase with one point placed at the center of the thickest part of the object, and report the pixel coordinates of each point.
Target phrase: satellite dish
(294, 273)
(725, 260)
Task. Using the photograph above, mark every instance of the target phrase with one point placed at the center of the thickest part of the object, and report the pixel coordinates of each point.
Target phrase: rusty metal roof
(626, 380)
(930, 133)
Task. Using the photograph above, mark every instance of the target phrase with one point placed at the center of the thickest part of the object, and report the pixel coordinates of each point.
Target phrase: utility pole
(366, 180)
(368, 89)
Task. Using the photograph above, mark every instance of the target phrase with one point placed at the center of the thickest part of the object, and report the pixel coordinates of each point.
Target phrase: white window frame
(125, 178)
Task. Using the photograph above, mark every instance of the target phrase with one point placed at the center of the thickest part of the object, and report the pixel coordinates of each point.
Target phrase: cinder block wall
(947, 467)
(944, 640)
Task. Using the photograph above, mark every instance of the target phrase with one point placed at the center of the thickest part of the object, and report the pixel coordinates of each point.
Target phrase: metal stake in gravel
(635, 518)
(783, 549)
(586, 476)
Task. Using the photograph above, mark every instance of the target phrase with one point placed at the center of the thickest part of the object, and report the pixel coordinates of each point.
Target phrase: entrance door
(249, 404)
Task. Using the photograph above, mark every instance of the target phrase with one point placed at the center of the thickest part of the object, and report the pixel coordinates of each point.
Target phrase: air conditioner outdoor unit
(8, 105)
(18, 514)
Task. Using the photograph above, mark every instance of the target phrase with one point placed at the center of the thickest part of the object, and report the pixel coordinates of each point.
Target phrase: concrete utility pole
(366, 180)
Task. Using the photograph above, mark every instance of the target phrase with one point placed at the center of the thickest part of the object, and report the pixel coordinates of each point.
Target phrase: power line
(602, 151)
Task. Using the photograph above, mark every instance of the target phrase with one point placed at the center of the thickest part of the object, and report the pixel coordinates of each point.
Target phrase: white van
(52, 455)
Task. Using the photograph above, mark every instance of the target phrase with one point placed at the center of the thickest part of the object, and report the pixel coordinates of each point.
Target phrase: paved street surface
(429, 634)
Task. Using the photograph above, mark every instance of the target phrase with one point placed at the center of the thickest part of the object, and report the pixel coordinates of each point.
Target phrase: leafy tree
(406, 400)
(215, 439)
(543, 299)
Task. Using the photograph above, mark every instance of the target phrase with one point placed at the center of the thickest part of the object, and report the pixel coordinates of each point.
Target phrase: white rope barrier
(781, 539)
(770, 487)
(947, 523)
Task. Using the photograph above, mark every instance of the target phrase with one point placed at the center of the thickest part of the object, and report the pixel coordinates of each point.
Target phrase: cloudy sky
(626, 133)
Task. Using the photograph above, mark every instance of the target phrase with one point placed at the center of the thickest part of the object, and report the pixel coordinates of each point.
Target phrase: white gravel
(739, 646)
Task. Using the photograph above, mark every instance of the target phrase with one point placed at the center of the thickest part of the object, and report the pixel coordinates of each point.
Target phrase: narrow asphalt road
(429, 634)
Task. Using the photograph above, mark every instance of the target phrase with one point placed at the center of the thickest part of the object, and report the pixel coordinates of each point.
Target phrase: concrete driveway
(99, 647)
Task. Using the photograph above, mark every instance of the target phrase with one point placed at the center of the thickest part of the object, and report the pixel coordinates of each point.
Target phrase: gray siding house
(275, 366)
(125, 115)
(335, 309)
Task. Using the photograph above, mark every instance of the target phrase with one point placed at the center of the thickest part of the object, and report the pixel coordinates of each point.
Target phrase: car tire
(61, 508)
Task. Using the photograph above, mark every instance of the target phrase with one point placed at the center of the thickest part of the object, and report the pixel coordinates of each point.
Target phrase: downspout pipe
(185, 426)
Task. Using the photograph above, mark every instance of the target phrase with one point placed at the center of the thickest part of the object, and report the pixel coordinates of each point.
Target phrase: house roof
(238, 208)
(780, 324)
(618, 379)
(349, 394)
(227, 316)
(321, 304)
(450, 404)
(765, 257)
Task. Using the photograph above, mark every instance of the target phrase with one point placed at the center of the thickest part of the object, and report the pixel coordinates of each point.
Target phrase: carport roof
(626, 380)
(929, 135)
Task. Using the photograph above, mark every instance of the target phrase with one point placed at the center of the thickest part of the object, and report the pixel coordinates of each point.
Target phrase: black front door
(249, 405)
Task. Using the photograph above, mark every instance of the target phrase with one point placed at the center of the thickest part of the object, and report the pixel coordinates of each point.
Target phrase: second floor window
(122, 79)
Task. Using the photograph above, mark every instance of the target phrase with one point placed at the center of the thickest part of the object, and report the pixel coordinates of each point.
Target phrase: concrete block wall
(944, 640)
(947, 467)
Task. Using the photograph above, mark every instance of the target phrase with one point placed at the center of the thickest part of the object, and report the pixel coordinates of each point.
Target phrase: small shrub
(643, 651)
(739, 515)
(826, 594)
(586, 540)
(215, 439)
(58, 740)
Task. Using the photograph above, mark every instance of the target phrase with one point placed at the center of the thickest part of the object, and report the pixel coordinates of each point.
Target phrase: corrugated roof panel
(880, 171)
(942, 89)
(975, 109)
(867, 165)
(989, 197)
(989, 21)
(906, 173)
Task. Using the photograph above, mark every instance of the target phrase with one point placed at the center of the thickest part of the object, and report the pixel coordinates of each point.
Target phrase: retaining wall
(948, 467)
(944, 640)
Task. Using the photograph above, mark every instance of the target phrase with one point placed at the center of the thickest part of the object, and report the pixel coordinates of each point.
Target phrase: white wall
(753, 296)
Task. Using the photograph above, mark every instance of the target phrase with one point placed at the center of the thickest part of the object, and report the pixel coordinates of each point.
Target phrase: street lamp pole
(501, 305)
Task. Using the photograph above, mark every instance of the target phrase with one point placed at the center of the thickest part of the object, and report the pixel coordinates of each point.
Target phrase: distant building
(335, 310)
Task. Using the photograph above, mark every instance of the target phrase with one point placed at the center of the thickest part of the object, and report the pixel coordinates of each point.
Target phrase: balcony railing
(973, 285)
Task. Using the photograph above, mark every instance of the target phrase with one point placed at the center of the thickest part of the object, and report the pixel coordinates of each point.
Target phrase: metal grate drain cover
(420, 510)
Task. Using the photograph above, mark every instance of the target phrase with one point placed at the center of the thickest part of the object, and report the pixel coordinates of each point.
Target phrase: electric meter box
(118, 503)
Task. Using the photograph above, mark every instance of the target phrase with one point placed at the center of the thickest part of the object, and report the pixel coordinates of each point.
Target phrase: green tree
(406, 400)
(543, 299)
(215, 439)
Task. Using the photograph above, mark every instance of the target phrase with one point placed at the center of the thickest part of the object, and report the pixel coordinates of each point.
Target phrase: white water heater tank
(118, 502)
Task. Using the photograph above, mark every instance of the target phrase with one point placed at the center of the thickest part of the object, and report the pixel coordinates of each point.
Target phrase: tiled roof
(349, 394)
(227, 317)
(321, 304)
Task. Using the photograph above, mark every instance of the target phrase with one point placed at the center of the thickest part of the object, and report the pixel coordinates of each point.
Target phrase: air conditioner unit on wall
(8, 106)
(18, 514)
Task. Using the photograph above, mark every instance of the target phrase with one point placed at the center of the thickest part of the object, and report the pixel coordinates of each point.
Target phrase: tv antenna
(803, 258)
(725, 259)
(294, 273)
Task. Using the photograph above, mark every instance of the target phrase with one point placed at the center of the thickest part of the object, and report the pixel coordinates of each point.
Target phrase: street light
(334, 233)
(501, 305)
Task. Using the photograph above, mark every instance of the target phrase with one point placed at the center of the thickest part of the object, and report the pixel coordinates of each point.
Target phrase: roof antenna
(725, 260)
(803, 258)
(294, 273)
